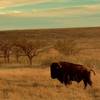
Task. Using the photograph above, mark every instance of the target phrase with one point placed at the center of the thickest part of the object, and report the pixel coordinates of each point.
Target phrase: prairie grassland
(19, 81)
(36, 84)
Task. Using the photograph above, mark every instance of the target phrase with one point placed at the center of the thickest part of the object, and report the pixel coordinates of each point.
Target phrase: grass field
(20, 81)
(36, 84)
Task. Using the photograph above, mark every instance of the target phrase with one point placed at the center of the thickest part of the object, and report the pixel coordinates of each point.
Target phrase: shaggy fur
(67, 72)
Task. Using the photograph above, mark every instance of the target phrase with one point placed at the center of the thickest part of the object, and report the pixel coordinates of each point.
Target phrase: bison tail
(93, 71)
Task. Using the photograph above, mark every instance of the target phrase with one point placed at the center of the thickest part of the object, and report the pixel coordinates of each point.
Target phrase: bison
(67, 72)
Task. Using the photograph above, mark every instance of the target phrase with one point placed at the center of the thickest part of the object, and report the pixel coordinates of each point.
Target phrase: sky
(36, 14)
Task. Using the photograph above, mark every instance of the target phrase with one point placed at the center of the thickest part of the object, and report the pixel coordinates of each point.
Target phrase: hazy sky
(22, 14)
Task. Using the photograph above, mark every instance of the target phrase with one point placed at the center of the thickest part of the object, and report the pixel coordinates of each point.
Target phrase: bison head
(55, 69)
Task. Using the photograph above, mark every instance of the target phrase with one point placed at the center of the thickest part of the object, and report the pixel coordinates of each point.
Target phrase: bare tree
(6, 50)
(17, 52)
(67, 47)
(30, 48)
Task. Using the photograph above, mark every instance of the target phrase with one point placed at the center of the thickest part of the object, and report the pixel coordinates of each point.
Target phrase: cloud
(93, 7)
(59, 12)
(81, 10)
(3, 13)
(51, 11)
(7, 3)
(10, 12)
(4, 3)
(16, 12)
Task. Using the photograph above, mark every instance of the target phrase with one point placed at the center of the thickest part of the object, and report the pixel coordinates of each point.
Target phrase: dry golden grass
(36, 84)
(21, 83)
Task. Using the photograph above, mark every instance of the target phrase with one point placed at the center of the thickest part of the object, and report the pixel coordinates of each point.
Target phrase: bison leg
(85, 83)
(90, 82)
(67, 79)
(88, 79)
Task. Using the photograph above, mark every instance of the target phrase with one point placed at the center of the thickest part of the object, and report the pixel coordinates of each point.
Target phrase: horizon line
(22, 29)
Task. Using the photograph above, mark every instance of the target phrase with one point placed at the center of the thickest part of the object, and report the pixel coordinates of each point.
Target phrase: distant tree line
(26, 48)
(19, 49)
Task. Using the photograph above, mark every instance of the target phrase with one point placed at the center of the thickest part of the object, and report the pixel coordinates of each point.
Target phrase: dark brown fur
(67, 72)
